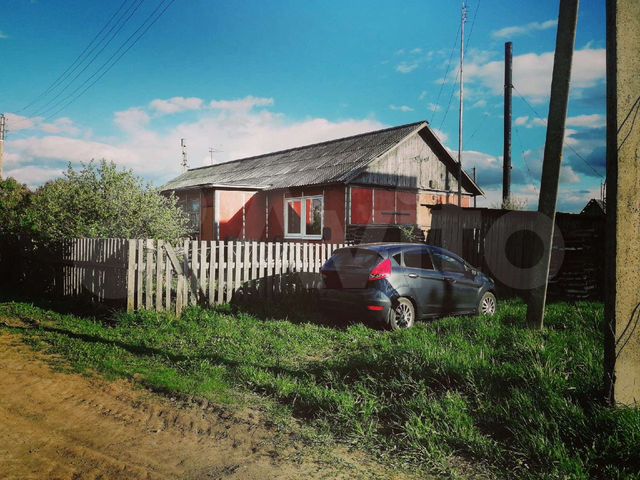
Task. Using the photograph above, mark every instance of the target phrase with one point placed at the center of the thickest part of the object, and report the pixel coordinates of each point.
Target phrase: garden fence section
(79, 267)
(162, 276)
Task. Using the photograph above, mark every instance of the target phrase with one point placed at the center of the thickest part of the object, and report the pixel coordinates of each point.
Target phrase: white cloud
(416, 51)
(423, 95)
(241, 105)
(3, 35)
(521, 121)
(588, 121)
(63, 125)
(532, 73)
(434, 108)
(154, 152)
(479, 104)
(517, 30)
(400, 108)
(407, 67)
(176, 105)
(131, 120)
(33, 175)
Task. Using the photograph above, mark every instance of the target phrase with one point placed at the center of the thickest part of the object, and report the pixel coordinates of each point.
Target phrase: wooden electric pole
(565, 41)
(622, 292)
(506, 156)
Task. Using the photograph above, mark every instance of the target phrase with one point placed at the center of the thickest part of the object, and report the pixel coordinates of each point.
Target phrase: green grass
(522, 403)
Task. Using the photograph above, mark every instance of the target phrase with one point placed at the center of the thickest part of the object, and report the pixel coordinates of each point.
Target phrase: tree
(514, 203)
(14, 199)
(101, 201)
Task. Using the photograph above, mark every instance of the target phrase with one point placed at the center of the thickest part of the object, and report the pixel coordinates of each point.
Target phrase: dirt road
(57, 425)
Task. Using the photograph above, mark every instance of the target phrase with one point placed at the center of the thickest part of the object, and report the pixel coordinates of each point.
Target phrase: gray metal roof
(335, 161)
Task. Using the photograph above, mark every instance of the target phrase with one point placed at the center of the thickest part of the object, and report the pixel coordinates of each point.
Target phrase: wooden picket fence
(165, 277)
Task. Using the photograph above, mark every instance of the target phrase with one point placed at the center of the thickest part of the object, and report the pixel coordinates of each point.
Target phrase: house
(319, 192)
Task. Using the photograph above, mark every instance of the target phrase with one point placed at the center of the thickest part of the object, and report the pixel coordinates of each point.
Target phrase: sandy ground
(56, 425)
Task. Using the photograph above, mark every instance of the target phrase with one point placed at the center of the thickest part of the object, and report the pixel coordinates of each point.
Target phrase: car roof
(396, 246)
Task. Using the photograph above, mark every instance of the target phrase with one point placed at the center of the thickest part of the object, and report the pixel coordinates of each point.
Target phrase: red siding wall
(255, 216)
(378, 205)
(361, 205)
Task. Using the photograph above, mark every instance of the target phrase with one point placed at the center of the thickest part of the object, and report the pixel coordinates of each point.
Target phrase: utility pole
(460, 140)
(506, 156)
(3, 124)
(565, 41)
(622, 293)
(185, 164)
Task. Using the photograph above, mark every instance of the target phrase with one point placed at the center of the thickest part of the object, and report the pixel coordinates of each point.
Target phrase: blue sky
(251, 77)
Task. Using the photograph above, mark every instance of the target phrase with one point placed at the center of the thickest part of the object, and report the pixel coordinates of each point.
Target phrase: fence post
(131, 276)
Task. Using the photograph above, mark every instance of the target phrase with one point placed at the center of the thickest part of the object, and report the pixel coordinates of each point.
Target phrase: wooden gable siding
(410, 165)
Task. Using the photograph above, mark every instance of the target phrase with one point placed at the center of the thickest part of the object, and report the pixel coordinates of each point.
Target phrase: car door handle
(450, 280)
(413, 275)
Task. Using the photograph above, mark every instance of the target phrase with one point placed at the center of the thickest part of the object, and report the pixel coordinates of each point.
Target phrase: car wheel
(402, 314)
(487, 304)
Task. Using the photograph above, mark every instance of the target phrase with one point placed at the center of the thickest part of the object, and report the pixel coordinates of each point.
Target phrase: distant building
(318, 192)
(594, 208)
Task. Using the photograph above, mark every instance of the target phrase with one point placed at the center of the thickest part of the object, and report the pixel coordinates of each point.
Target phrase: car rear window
(354, 257)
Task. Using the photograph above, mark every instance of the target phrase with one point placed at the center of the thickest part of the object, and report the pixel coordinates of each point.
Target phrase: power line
(69, 70)
(109, 67)
(524, 158)
(446, 73)
(50, 105)
(473, 22)
(565, 144)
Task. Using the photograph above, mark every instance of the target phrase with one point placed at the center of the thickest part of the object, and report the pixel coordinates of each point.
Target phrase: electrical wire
(446, 73)
(109, 67)
(565, 144)
(52, 104)
(69, 70)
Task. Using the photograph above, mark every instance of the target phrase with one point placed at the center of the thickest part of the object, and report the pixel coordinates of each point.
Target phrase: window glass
(418, 258)
(194, 214)
(314, 216)
(397, 258)
(445, 263)
(294, 212)
(354, 258)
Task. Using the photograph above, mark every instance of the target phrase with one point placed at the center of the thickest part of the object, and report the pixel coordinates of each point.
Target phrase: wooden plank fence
(165, 277)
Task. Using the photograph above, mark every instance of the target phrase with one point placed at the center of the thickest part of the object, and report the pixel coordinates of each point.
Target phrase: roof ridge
(302, 147)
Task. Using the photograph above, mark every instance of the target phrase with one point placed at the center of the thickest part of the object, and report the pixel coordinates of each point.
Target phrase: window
(418, 258)
(445, 263)
(189, 202)
(303, 217)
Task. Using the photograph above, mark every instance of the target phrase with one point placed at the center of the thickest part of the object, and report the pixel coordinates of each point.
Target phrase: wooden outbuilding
(325, 191)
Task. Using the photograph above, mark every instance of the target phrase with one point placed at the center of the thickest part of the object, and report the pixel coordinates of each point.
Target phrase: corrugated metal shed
(335, 161)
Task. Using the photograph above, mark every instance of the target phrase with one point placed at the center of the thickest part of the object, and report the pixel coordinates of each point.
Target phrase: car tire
(487, 304)
(402, 314)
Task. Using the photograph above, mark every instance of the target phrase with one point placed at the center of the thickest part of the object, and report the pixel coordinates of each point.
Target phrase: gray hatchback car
(397, 283)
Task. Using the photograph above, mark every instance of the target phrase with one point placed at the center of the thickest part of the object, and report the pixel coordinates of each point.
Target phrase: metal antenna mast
(185, 165)
(460, 139)
(2, 132)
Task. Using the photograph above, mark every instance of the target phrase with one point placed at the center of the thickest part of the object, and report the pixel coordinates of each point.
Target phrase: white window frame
(303, 217)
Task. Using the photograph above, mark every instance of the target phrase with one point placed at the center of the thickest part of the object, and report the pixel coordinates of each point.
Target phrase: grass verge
(523, 403)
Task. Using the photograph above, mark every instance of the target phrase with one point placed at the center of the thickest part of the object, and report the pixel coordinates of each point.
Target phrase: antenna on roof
(212, 150)
(185, 165)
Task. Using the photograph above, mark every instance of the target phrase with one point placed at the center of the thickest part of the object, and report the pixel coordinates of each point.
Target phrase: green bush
(101, 201)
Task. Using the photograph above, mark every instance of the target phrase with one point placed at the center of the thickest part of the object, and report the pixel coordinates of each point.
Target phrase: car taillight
(381, 271)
